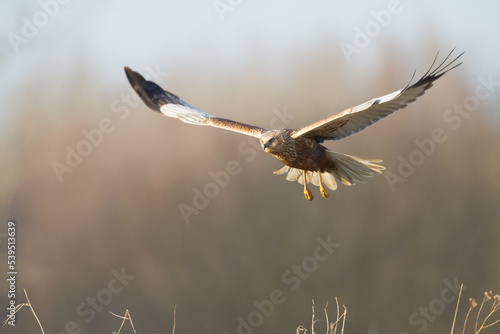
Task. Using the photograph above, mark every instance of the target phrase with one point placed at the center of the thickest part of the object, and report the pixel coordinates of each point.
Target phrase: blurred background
(117, 208)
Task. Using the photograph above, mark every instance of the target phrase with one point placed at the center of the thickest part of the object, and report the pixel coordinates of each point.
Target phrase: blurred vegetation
(485, 316)
(119, 208)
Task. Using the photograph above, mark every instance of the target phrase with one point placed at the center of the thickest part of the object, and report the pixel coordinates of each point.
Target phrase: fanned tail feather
(348, 170)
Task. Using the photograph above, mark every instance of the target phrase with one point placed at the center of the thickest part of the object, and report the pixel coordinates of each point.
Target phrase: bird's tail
(348, 169)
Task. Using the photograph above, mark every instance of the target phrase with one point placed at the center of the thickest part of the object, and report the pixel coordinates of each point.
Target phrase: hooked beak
(265, 147)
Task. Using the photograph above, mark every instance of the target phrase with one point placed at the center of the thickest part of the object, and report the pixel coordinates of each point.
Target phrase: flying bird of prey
(304, 158)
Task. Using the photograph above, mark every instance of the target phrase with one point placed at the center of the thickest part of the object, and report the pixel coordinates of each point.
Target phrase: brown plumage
(304, 158)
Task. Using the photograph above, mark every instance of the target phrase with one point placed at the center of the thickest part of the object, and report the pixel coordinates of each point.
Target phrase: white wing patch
(186, 114)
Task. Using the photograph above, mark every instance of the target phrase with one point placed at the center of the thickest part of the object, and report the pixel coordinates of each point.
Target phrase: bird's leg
(321, 188)
(307, 193)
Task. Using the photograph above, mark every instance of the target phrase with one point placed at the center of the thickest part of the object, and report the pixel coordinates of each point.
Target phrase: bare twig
(175, 308)
(456, 310)
(10, 316)
(312, 321)
(33, 311)
(125, 317)
(301, 329)
(338, 311)
(20, 306)
(479, 312)
(494, 307)
(343, 322)
(342, 317)
(326, 316)
(331, 328)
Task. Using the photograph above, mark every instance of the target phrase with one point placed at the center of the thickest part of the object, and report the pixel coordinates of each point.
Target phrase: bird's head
(272, 141)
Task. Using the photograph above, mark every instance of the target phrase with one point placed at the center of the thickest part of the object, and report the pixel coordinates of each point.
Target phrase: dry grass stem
(456, 309)
(312, 321)
(125, 318)
(175, 309)
(331, 328)
(472, 304)
(495, 306)
(480, 325)
(20, 306)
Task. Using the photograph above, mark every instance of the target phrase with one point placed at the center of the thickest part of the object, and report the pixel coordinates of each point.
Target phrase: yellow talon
(321, 188)
(307, 193)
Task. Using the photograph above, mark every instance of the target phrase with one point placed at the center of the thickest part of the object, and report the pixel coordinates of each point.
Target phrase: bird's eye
(272, 140)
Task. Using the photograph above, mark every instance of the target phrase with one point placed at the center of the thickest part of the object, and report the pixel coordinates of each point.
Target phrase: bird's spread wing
(171, 105)
(353, 120)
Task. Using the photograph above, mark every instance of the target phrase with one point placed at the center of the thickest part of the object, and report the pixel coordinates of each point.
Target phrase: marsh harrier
(304, 158)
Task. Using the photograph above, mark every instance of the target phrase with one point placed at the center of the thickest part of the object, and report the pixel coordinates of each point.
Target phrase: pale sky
(55, 34)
